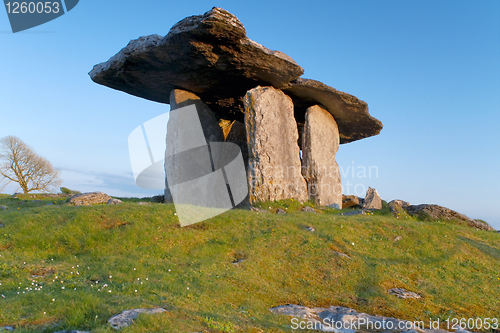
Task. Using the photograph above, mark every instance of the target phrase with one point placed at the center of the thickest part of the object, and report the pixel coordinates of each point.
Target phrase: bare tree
(20, 164)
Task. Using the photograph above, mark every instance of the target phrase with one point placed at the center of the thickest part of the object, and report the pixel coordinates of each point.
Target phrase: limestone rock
(114, 201)
(372, 199)
(351, 114)
(3, 207)
(127, 317)
(210, 129)
(1, 225)
(397, 207)
(274, 168)
(308, 209)
(280, 211)
(324, 319)
(92, 198)
(354, 212)
(403, 293)
(349, 201)
(341, 254)
(209, 122)
(209, 55)
(73, 331)
(435, 212)
(320, 143)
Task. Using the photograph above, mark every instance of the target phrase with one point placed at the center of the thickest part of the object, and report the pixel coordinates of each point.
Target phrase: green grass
(115, 258)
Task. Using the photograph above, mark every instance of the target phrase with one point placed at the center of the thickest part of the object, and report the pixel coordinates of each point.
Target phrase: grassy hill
(65, 267)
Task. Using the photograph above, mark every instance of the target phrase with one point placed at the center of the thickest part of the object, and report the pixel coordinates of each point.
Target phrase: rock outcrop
(351, 114)
(274, 168)
(349, 201)
(93, 198)
(372, 199)
(320, 143)
(209, 55)
(435, 212)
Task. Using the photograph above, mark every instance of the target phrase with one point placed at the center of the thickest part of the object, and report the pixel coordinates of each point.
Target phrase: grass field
(66, 267)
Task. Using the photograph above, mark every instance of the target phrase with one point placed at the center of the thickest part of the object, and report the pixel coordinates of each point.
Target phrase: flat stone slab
(93, 198)
(340, 319)
(350, 113)
(126, 318)
(209, 55)
(403, 293)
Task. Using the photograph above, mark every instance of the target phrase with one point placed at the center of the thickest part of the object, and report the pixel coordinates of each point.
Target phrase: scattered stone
(340, 254)
(237, 261)
(280, 211)
(1, 225)
(51, 204)
(397, 239)
(258, 210)
(127, 317)
(311, 229)
(3, 207)
(354, 212)
(320, 143)
(73, 331)
(351, 114)
(7, 328)
(274, 167)
(207, 54)
(142, 203)
(403, 293)
(349, 201)
(158, 199)
(308, 209)
(114, 201)
(372, 199)
(435, 212)
(345, 319)
(92, 198)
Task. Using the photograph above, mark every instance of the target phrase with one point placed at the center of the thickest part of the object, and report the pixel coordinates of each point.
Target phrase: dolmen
(288, 128)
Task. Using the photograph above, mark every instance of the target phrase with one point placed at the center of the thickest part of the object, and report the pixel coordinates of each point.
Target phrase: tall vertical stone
(212, 132)
(274, 169)
(320, 142)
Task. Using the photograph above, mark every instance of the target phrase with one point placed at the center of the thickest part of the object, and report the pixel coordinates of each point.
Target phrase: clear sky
(429, 70)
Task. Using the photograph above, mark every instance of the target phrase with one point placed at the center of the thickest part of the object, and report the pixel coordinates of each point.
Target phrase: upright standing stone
(320, 143)
(274, 170)
(372, 199)
(209, 124)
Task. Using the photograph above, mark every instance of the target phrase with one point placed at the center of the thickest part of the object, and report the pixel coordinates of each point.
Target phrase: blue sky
(429, 70)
